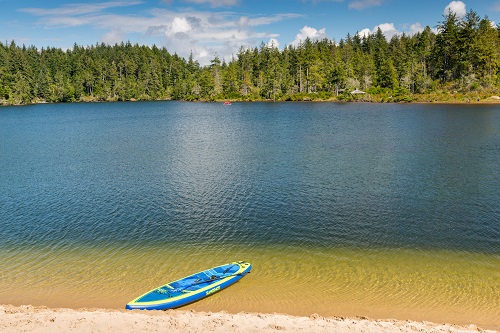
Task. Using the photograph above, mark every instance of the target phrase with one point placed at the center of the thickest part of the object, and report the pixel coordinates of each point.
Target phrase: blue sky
(218, 27)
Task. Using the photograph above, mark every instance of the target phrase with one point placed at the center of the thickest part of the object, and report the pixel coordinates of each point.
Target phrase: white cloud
(387, 29)
(362, 4)
(113, 37)
(79, 8)
(179, 24)
(244, 22)
(311, 33)
(215, 3)
(264, 20)
(317, 1)
(204, 33)
(273, 43)
(202, 54)
(416, 28)
(364, 33)
(456, 7)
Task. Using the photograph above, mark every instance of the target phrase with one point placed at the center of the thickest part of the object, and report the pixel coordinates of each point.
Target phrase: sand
(43, 319)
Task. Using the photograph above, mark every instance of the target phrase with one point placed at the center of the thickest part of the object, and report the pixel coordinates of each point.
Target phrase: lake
(378, 210)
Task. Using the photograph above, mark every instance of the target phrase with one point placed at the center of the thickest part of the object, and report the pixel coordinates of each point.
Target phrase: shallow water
(387, 211)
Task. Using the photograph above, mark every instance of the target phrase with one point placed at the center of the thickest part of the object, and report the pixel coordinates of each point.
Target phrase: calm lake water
(380, 210)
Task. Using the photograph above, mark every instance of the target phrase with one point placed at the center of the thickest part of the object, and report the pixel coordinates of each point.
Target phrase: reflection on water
(344, 209)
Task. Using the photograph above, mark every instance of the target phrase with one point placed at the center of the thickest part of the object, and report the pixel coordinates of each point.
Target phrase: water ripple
(353, 205)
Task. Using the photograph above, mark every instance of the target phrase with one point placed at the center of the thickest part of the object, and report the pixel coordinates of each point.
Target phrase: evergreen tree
(463, 55)
(446, 54)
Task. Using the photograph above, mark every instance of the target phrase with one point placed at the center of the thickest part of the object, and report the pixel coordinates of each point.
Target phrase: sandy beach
(42, 319)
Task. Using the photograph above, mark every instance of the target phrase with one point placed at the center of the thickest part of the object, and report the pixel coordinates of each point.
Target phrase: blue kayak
(191, 288)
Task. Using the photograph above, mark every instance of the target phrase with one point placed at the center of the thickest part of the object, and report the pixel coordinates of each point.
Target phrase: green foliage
(400, 94)
(464, 56)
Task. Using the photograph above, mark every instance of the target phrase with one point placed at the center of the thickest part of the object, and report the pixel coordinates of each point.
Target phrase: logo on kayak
(214, 290)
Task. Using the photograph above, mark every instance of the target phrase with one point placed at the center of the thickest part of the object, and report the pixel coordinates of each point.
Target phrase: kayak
(191, 288)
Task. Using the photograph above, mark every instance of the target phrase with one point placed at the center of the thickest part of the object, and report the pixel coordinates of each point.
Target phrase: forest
(459, 60)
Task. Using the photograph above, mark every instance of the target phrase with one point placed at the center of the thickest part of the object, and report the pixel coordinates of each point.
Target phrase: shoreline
(44, 319)
(492, 100)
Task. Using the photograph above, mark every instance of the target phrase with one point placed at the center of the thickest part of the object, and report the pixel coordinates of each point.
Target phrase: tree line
(461, 58)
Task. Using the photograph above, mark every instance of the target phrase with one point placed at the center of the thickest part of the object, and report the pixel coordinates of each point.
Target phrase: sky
(209, 28)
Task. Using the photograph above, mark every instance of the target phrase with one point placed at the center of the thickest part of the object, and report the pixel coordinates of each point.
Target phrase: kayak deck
(191, 288)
